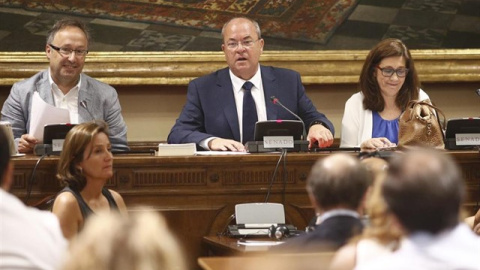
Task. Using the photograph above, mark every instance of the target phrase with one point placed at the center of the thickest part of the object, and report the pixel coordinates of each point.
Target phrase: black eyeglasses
(68, 52)
(388, 71)
(246, 44)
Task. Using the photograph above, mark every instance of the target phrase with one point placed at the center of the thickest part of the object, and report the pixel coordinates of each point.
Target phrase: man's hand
(26, 143)
(375, 143)
(320, 134)
(219, 144)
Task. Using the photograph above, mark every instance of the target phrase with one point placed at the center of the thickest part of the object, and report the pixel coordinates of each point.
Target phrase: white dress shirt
(29, 238)
(257, 93)
(68, 101)
(458, 248)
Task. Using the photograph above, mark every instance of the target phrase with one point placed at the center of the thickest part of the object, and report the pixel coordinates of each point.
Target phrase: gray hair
(255, 24)
(63, 23)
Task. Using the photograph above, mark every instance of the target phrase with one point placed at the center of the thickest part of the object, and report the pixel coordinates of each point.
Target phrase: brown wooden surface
(311, 261)
(197, 194)
(219, 245)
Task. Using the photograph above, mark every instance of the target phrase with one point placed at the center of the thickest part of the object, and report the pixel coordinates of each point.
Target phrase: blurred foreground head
(338, 181)
(140, 241)
(424, 189)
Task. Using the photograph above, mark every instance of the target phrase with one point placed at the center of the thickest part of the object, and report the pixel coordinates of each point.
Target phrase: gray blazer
(101, 99)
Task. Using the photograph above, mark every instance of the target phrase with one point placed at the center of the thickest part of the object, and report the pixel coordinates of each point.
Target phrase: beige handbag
(419, 125)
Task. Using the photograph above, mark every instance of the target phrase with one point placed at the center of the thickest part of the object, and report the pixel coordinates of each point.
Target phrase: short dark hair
(76, 141)
(66, 22)
(4, 154)
(345, 185)
(368, 83)
(424, 189)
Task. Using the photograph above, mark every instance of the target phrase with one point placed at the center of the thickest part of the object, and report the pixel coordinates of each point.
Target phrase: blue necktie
(249, 113)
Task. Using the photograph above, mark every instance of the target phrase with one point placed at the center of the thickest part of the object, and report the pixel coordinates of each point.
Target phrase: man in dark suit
(336, 187)
(218, 103)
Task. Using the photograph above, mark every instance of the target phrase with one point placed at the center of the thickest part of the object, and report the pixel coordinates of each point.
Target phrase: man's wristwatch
(317, 122)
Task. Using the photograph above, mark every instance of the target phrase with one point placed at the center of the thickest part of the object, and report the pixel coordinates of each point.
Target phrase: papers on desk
(43, 114)
(184, 149)
(224, 153)
(258, 245)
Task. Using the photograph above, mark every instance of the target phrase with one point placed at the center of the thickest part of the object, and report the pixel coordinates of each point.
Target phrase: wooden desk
(228, 246)
(198, 194)
(310, 261)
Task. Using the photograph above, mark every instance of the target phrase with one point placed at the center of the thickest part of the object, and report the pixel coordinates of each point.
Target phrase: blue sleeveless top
(385, 128)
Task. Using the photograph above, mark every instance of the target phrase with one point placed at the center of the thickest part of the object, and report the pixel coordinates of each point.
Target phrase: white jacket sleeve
(352, 122)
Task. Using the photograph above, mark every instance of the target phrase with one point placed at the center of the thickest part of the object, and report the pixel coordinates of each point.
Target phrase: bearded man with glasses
(222, 107)
(63, 85)
(388, 81)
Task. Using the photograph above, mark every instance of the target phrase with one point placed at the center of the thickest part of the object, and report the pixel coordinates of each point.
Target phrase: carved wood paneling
(163, 177)
(257, 176)
(19, 180)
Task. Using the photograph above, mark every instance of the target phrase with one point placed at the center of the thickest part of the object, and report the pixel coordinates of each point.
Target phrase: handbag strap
(413, 103)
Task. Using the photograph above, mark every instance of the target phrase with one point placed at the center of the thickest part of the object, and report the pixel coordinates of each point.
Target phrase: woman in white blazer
(388, 81)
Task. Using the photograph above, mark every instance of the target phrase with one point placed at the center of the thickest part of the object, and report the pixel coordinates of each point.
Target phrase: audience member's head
(77, 141)
(112, 241)
(381, 226)
(424, 189)
(6, 168)
(338, 181)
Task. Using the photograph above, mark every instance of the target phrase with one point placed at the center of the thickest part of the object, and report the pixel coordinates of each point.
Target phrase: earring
(80, 169)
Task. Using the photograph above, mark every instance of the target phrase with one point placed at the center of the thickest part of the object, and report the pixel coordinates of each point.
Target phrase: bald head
(424, 189)
(339, 180)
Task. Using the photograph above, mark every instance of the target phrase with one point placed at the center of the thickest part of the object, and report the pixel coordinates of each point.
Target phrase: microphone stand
(277, 102)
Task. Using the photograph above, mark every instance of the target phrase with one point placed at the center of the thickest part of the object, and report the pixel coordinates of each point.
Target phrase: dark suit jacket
(210, 108)
(330, 235)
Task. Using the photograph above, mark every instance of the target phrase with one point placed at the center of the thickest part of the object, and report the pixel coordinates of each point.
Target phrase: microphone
(277, 102)
(83, 103)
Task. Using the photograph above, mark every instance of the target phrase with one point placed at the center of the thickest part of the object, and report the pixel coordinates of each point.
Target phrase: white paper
(185, 149)
(43, 114)
(214, 153)
(259, 243)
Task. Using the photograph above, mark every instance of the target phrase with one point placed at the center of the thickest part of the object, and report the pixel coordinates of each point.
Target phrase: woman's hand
(376, 143)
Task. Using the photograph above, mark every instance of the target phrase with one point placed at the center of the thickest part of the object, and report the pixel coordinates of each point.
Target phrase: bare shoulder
(65, 199)
(116, 195)
(66, 208)
(119, 200)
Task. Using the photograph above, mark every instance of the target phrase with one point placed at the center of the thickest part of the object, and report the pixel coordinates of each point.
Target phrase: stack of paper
(186, 149)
